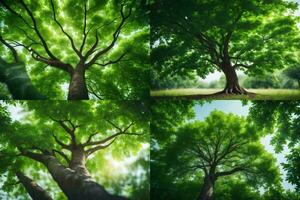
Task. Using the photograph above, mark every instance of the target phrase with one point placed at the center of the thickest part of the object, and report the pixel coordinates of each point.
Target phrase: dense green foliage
(122, 167)
(256, 37)
(54, 37)
(282, 119)
(294, 73)
(178, 174)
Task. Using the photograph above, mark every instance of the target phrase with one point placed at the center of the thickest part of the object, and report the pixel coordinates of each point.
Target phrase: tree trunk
(76, 186)
(78, 161)
(33, 189)
(77, 88)
(232, 82)
(207, 188)
(18, 82)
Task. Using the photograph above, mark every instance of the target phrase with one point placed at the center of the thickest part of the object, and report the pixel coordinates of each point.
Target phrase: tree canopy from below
(89, 48)
(218, 157)
(75, 150)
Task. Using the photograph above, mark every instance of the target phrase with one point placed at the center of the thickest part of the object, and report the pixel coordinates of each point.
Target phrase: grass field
(260, 94)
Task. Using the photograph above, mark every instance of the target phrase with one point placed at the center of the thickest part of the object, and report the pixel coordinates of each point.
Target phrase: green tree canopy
(205, 36)
(293, 73)
(70, 147)
(200, 154)
(90, 46)
(282, 120)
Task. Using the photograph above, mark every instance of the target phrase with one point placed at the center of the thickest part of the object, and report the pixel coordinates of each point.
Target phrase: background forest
(225, 150)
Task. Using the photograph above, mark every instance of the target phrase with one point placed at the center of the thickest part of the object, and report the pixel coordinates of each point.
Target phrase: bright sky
(236, 107)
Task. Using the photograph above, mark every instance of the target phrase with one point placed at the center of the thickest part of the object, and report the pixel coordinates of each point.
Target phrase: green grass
(260, 94)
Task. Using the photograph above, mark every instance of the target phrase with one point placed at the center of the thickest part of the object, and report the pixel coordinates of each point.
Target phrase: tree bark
(33, 189)
(77, 88)
(232, 82)
(78, 161)
(18, 82)
(207, 188)
(76, 186)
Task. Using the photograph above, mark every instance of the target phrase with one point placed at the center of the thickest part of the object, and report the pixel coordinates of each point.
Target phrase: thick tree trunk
(74, 184)
(232, 82)
(18, 82)
(77, 88)
(207, 188)
(78, 161)
(33, 189)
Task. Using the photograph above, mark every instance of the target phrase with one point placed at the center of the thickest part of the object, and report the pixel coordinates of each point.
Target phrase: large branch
(62, 154)
(232, 171)
(94, 46)
(85, 34)
(107, 139)
(112, 61)
(35, 191)
(70, 131)
(15, 13)
(115, 38)
(99, 147)
(62, 29)
(64, 146)
(38, 57)
(54, 61)
(35, 156)
(232, 146)
(14, 52)
(37, 31)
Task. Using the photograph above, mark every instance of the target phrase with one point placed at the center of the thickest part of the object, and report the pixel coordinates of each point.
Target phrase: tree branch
(37, 30)
(97, 148)
(14, 52)
(226, 173)
(103, 141)
(15, 13)
(62, 29)
(115, 37)
(70, 131)
(84, 28)
(112, 61)
(54, 61)
(62, 154)
(65, 146)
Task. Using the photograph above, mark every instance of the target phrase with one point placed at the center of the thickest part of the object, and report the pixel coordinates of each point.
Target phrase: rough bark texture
(33, 189)
(76, 186)
(207, 188)
(18, 82)
(77, 88)
(232, 82)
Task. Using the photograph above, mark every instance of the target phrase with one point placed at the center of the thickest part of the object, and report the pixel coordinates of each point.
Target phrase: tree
(293, 73)
(282, 120)
(223, 145)
(73, 40)
(205, 36)
(15, 76)
(63, 139)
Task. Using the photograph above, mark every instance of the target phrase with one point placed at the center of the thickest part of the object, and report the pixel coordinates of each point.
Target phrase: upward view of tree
(206, 36)
(70, 142)
(71, 41)
(219, 157)
(284, 117)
